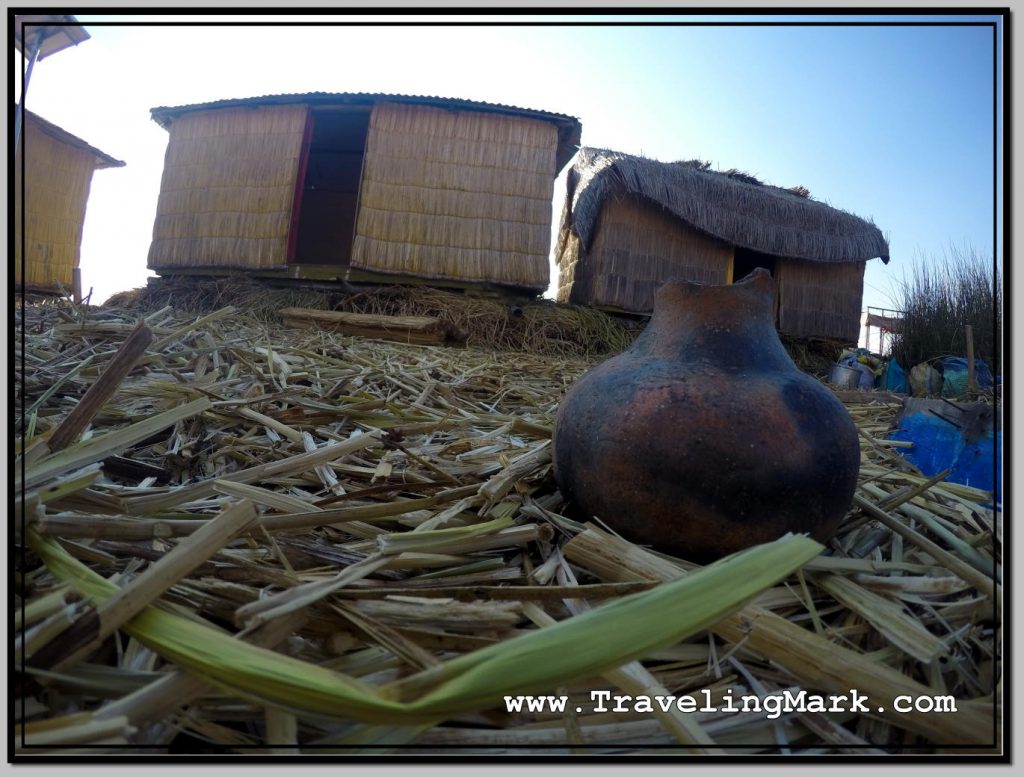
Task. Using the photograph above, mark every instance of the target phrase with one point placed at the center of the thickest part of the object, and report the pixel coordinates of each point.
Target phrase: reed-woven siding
(456, 195)
(57, 181)
(636, 248)
(818, 251)
(228, 188)
(820, 300)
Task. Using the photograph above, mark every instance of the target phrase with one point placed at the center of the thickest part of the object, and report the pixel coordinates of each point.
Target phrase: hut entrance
(325, 206)
(745, 261)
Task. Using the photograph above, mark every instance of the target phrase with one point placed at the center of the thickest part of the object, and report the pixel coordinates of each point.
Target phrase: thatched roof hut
(630, 223)
(360, 187)
(58, 170)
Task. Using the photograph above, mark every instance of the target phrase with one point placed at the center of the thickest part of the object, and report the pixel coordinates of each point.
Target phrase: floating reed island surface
(498, 322)
(234, 537)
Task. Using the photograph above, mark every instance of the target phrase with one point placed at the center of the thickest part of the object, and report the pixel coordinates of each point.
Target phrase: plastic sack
(867, 377)
(856, 360)
(850, 373)
(954, 376)
(925, 381)
(894, 378)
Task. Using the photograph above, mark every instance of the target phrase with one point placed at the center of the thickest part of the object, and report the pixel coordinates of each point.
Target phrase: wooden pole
(99, 392)
(76, 285)
(972, 387)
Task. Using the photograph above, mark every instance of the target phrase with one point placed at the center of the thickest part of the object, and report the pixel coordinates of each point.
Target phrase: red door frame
(300, 182)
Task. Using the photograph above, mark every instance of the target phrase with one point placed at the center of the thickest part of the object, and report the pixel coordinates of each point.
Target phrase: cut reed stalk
(814, 660)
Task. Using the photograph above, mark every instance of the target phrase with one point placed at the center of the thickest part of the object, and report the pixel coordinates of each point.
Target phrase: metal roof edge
(59, 133)
(164, 115)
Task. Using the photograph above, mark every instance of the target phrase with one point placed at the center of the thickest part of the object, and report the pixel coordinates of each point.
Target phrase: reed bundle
(268, 540)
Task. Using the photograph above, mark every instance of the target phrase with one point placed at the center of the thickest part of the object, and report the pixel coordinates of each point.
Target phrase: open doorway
(745, 261)
(326, 207)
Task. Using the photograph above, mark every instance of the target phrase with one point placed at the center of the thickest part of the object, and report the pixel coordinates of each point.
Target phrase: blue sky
(891, 123)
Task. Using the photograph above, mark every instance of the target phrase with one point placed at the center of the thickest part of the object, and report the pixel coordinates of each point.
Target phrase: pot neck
(732, 324)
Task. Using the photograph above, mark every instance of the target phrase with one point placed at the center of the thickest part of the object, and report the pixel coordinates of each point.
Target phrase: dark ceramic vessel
(704, 438)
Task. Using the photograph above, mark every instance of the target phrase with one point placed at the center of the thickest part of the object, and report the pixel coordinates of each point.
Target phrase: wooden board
(418, 330)
(323, 272)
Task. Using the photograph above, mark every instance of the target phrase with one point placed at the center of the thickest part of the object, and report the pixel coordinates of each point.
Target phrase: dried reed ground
(522, 325)
(514, 324)
(910, 584)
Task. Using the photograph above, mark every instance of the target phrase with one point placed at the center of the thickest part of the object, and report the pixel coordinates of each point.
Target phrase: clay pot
(704, 438)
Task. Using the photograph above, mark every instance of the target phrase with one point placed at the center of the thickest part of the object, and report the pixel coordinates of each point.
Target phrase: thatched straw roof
(568, 126)
(731, 206)
(102, 159)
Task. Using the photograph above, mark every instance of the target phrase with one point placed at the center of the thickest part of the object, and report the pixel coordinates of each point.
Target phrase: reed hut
(58, 170)
(360, 187)
(631, 223)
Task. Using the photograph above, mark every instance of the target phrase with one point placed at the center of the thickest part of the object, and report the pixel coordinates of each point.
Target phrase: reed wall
(228, 188)
(818, 299)
(57, 181)
(457, 195)
(635, 249)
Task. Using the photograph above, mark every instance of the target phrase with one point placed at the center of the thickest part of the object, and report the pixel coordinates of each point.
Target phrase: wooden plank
(888, 323)
(421, 330)
(334, 273)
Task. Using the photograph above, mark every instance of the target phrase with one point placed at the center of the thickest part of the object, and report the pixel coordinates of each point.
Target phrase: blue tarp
(894, 378)
(940, 445)
(954, 375)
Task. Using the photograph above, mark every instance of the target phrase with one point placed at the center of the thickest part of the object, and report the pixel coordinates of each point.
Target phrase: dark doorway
(745, 261)
(330, 188)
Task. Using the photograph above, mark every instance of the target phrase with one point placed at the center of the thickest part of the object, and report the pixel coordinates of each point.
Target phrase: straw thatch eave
(731, 207)
(102, 160)
(569, 127)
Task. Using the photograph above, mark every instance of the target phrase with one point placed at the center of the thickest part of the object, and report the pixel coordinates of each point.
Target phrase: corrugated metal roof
(164, 115)
(59, 32)
(569, 127)
(51, 129)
